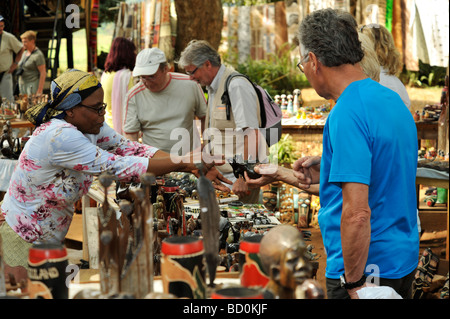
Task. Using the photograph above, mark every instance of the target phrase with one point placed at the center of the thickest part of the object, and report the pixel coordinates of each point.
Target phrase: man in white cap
(163, 105)
(9, 45)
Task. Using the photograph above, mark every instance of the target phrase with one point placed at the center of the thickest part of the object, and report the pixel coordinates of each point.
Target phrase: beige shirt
(229, 139)
(8, 45)
(244, 101)
(166, 118)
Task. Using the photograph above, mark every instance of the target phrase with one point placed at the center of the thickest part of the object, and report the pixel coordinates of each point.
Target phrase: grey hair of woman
(197, 52)
(332, 36)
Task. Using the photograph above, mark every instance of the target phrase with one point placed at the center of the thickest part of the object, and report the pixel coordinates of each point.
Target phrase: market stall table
(89, 222)
(19, 123)
(6, 170)
(426, 130)
(432, 177)
(89, 279)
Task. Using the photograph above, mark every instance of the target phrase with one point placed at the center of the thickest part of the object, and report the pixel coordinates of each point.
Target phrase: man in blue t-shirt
(368, 215)
(366, 175)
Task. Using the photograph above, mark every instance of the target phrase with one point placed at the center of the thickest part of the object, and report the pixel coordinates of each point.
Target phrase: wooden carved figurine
(283, 257)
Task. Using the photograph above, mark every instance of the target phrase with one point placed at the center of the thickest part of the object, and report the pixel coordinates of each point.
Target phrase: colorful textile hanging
(389, 14)
(128, 23)
(91, 35)
(371, 11)
(165, 35)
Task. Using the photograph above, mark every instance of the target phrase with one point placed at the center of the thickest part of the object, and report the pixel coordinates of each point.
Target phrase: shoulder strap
(226, 98)
(26, 59)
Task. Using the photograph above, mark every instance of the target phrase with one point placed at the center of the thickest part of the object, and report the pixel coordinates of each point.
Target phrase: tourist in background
(389, 59)
(9, 45)
(31, 72)
(117, 80)
(203, 64)
(162, 104)
(369, 62)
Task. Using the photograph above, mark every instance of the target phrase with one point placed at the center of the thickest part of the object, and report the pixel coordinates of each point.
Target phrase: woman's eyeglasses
(100, 110)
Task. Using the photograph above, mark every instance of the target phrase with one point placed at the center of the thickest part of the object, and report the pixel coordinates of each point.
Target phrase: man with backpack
(229, 132)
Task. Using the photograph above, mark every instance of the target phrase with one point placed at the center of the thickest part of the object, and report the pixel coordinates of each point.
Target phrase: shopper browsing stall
(367, 171)
(203, 63)
(163, 106)
(31, 72)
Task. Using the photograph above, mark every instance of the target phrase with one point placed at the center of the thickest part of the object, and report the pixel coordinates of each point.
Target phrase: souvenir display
(175, 236)
(8, 110)
(283, 256)
(47, 271)
(182, 269)
(10, 147)
(237, 293)
(296, 112)
(251, 270)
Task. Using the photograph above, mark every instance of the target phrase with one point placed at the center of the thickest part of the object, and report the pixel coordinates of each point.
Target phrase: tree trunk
(198, 19)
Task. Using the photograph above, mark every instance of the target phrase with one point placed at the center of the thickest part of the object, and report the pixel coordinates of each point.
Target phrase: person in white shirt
(389, 59)
(203, 63)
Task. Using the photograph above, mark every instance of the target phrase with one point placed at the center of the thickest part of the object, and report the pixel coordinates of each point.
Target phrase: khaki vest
(222, 143)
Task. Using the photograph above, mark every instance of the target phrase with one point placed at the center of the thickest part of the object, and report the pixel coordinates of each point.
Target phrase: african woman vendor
(70, 145)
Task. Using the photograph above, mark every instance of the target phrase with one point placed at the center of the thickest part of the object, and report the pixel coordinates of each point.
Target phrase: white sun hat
(148, 61)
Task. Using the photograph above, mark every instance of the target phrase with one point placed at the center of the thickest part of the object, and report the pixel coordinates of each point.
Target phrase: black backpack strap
(225, 96)
(227, 102)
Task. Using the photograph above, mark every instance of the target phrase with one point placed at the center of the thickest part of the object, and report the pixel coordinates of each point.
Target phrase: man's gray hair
(332, 36)
(198, 52)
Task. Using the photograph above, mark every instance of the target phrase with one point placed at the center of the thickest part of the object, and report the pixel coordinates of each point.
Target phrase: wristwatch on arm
(352, 285)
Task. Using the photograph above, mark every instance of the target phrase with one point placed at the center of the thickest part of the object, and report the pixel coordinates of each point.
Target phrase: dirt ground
(316, 241)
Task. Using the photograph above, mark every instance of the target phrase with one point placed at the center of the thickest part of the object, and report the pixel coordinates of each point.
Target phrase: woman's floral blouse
(56, 168)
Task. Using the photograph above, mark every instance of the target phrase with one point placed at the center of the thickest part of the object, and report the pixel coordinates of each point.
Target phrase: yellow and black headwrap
(66, 91)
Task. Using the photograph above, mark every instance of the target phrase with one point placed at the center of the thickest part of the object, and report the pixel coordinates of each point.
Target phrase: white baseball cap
(148, 61)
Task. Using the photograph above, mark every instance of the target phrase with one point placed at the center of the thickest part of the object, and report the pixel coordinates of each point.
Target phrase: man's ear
(207, 64)
(314, 61)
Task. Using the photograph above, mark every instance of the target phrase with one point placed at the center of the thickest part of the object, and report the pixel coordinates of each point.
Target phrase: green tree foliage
(107, 9)
(427, 76)
(247, 2)
(278, 74)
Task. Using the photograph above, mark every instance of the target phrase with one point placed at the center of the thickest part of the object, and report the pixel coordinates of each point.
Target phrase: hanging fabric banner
(389, 14)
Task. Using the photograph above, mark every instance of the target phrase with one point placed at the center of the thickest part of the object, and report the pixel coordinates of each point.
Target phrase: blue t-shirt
(370, 137)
